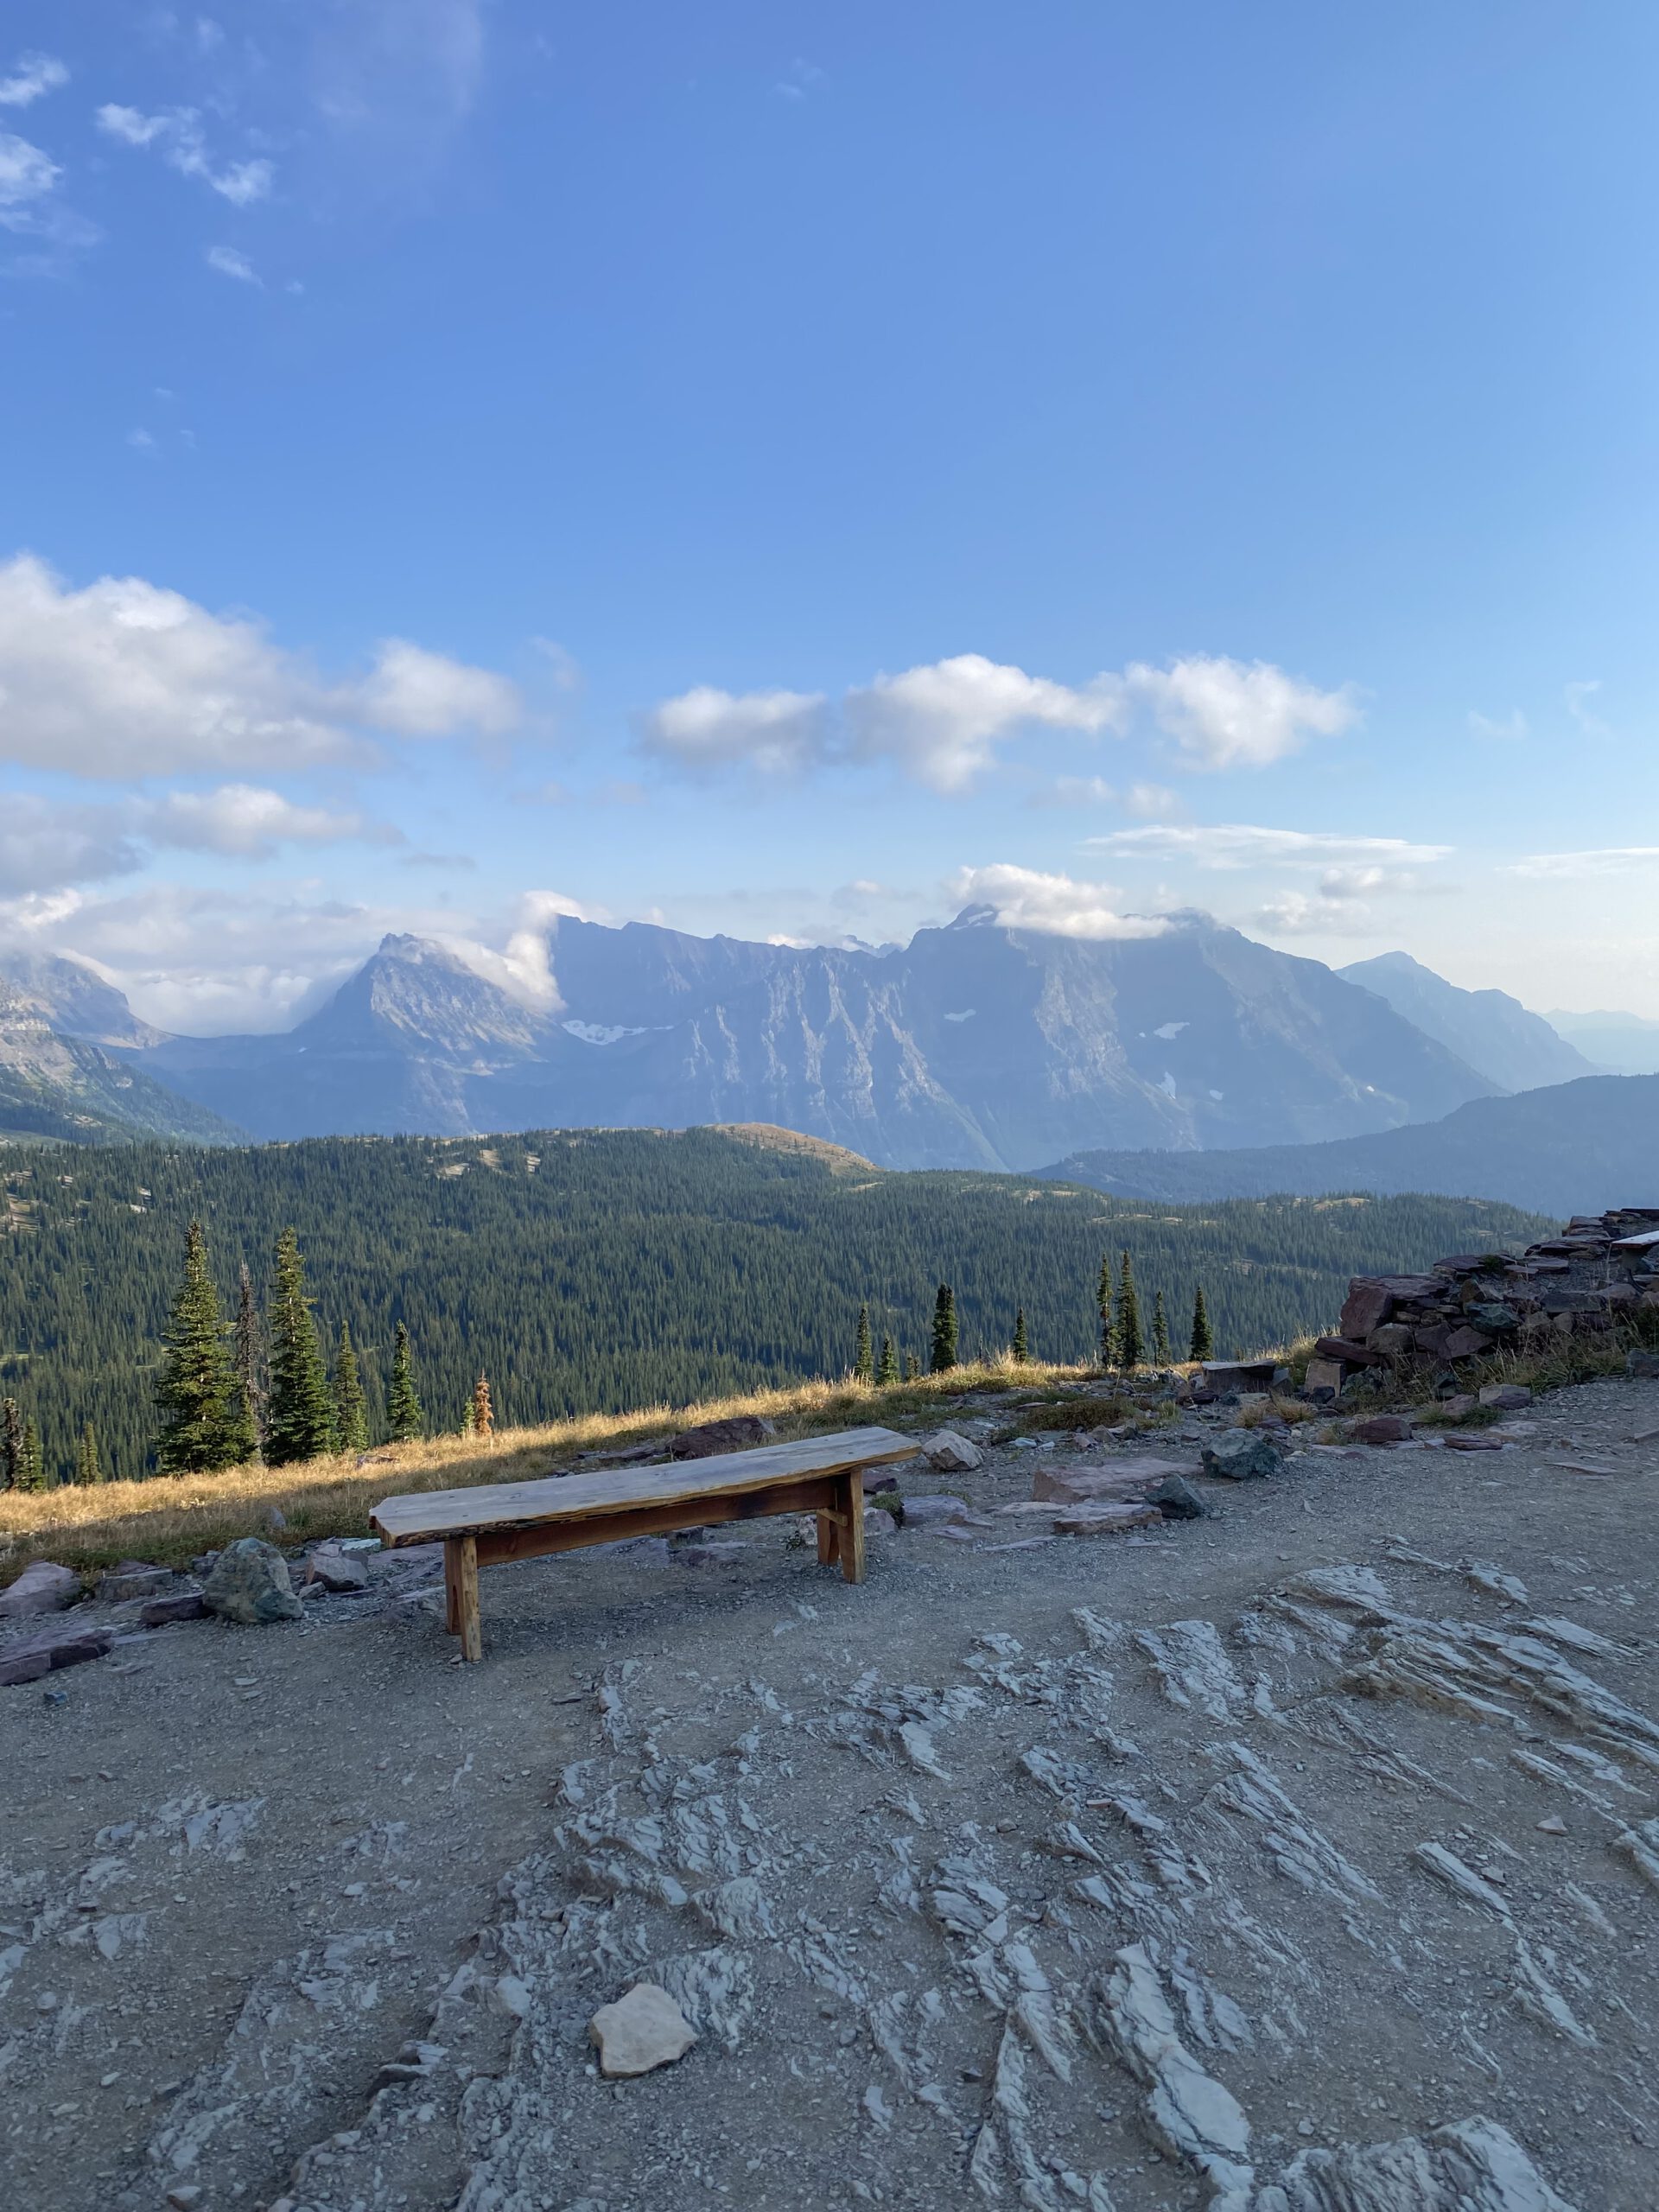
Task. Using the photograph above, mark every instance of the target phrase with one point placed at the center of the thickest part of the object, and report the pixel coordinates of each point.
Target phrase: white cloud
(1295, 913)
(229, 263)
(33, 75)
(1056, 905)
(1146, 801)
(524, 968)
(939, 722)
(244, 821)
(1240, 844)
(26, 177)
(775, 732)
(1226, 714)
(177, 137)
(45, 845)
(421, 694)
(142, 442)
(1605, 860)
(126, 680)
(1511, 732)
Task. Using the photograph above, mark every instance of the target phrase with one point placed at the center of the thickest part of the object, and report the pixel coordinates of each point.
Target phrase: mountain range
(974, 1046)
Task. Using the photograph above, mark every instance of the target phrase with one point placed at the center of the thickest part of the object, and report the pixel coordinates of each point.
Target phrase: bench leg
(460, 1584)
(828, 1540)
(852, 1525)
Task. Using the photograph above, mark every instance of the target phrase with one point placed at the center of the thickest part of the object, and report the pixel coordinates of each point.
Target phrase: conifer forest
(606, 1270)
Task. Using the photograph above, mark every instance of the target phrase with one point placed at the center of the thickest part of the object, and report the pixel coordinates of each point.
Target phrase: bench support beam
(461, 1586)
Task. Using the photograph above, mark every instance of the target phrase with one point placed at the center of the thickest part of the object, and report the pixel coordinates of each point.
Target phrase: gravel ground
(1128, 1872)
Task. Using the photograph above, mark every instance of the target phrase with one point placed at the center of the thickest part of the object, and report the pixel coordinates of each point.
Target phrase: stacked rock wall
(1600, 1269)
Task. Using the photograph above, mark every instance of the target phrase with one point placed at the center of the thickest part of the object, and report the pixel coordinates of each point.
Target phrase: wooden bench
(501, 1521)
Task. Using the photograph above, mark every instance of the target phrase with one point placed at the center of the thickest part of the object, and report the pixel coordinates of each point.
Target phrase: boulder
(1344, 1349)
(1383, 1428)
(947, 1453)
(741, 1434)
(54, 1648)
(341, 1572)
(40, 1588)
(931, 1510)
(1644, 1363)
(1177, 1500)
(1224, 1375)
(1508, 1398)
(1244, 1455)
(23, 1663)
(249, 1584)
(1493, 1318)
(1324, 1375)
(1458, 1406)
(1393, 1340)
(1465, 1344)
(643, 2029)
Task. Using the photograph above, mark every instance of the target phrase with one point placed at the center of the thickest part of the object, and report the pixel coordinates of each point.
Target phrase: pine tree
(248, 1354)
(912, 1368)
(1202, 1342)
(945, 1330)
(1160, 1346)
(863, 1355)
(1131, 1341)
(1019, 1350)
(468, 1417)
(88, 1467)
(351, 1406)
(195, 1386)
(1104, 1300)
(405, 1417)
(887, 1373)
(11, 1442)
(300, 1421)
(31, 1468)
(483, 1411)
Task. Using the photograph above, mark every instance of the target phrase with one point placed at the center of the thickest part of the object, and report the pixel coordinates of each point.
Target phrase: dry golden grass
(170, 1519)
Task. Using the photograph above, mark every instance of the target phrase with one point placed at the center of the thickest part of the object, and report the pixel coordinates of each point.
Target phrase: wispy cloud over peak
(1056, 905)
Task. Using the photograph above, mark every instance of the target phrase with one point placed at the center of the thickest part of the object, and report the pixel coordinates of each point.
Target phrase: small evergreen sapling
(405, 1419)
(300, 1424)
(1131, 1342)
(248, 1355)
(11, 1442)
(863, 1352)
(912, 1368)
(351, 1406)
(945, 1330)
(1020, 1349)
(887, 1373)
(88, 1466)
(1202, 1341)
(1161, 1353)
(31, 1467)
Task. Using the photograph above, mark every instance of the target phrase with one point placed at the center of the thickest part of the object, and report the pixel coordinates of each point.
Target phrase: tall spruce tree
(1161, 1352)
(351, 1406)
(196, 1388)
(887, 1371)
(945, 1330)
(1131, 1338)
(1103, 1302)
(1202, 1345)
(299, 1420)
(405, 1418)
(863, 1350)
(31, 1467)
(1020, 1349)
(88, 1467)
(11, 1442)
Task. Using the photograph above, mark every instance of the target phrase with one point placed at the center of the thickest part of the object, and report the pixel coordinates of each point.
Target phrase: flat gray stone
(249, 1584)
(643, 2029)
(1244, 1455)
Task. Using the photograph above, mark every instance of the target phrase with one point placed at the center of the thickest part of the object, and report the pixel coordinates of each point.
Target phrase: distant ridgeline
(598, 1270)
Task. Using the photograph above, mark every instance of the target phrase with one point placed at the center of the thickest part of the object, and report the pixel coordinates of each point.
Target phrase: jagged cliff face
(1512, 1047)
(972, 1047)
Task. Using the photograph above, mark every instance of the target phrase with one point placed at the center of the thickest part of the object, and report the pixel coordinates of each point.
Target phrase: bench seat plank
(423, 1516)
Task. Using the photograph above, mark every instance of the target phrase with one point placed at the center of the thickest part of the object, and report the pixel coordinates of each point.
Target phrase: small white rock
(643, 2030)
(1552, 1825)
(947, 1453)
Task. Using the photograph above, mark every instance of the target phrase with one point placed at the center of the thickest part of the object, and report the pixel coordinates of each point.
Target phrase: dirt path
(1113, 1873)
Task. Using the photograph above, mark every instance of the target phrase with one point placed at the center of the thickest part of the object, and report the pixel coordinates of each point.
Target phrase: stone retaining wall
(1468, 1308)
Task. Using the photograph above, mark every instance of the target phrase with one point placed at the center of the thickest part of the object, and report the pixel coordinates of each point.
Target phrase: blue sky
(791, 469)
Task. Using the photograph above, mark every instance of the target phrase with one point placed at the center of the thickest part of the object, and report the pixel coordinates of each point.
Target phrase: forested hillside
(608, 1270)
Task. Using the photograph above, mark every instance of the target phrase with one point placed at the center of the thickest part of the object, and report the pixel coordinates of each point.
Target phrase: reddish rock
(1367, 1305)
(25, 1664)
(1383, 1428)
(1474, 1444)
(160, 1612)
(1508, 1398)
(1410, 1290)
(1103, 1520)
(1115, 1479)
(1463, 1343)
(42, 1588)
(1432, 1339)
(1345, 1348)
